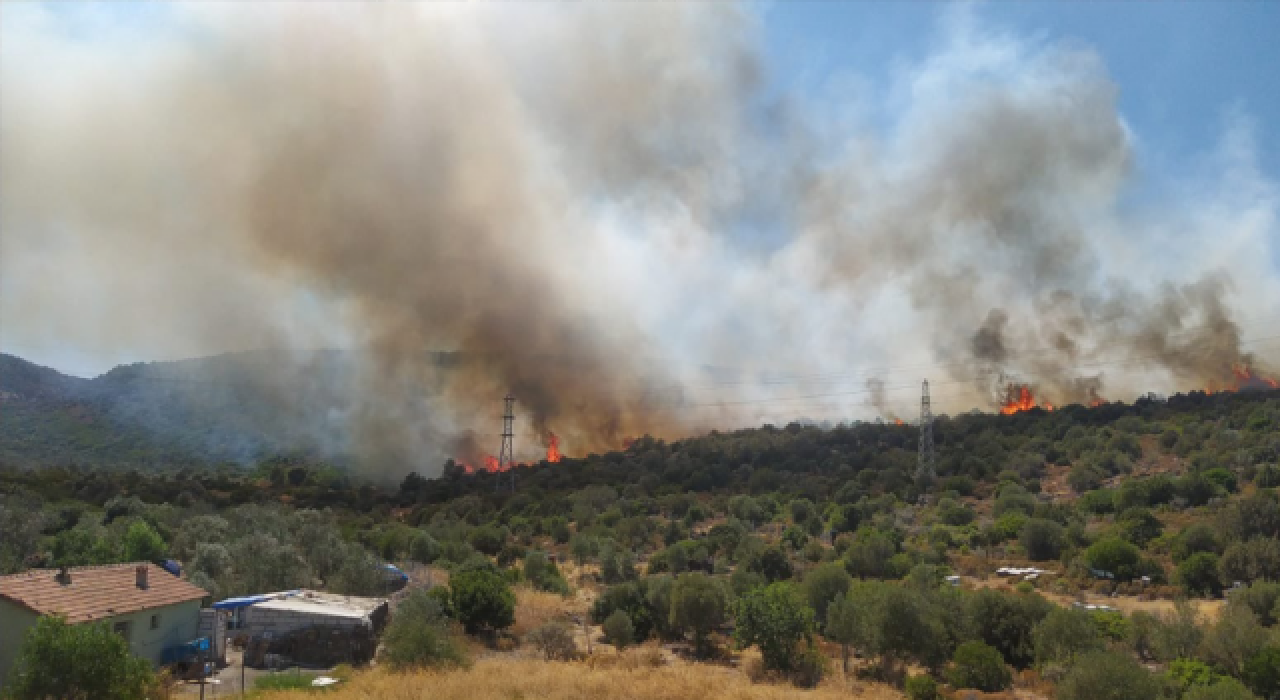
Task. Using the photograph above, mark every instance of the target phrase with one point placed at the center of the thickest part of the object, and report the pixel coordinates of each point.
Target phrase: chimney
(63, 576)
(142, 576)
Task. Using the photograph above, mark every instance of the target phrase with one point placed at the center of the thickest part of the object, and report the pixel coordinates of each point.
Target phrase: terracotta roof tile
(96, 592)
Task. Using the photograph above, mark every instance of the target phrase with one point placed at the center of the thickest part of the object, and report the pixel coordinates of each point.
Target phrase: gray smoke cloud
(600, 209)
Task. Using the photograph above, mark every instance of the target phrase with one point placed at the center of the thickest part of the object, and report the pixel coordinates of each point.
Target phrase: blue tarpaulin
(395, 572)
(241, 602)
(185, 652)
(246, 601)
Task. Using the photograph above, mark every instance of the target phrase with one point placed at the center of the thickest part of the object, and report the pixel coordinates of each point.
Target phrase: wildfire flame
(1019, 397)
(553, 449)
(490, 464)
(1242, 377)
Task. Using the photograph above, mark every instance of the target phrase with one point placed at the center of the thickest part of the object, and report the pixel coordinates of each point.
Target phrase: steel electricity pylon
(506, 455)
(927, 464)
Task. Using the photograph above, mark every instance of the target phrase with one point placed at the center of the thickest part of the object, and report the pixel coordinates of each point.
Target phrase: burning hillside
(1021, 398)
(1243, 378)
(589, 209)
(491, 464)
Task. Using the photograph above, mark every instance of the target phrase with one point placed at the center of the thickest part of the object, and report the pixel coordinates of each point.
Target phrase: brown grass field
(530, 680)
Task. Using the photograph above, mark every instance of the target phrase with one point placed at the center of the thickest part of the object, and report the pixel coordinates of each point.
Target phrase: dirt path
(1208, 609)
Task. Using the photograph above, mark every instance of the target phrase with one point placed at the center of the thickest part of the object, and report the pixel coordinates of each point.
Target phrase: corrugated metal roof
(96, 592)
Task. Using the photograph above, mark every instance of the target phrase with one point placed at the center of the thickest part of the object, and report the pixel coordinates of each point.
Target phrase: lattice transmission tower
(927, 466)
(506, 455)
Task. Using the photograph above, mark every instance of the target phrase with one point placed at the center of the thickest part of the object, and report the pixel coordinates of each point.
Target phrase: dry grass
(514, 680)
(535, 608)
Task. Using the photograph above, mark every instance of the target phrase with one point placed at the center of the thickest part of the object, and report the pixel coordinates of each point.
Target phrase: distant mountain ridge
(226, 408)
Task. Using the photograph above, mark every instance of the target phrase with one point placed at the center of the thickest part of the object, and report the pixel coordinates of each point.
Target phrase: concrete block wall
(213, 624)
(279, 622)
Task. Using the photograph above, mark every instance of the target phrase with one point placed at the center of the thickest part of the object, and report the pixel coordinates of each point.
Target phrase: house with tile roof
(148, 606)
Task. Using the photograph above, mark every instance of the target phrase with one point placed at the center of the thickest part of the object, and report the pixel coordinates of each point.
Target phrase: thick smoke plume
(615, 214)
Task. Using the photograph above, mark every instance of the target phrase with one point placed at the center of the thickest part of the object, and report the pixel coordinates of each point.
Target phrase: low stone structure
(313, 628)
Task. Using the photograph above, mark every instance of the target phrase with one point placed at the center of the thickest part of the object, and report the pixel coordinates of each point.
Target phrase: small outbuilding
(307, 627)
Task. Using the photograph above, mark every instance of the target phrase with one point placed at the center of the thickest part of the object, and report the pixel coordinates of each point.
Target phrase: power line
(963, 380)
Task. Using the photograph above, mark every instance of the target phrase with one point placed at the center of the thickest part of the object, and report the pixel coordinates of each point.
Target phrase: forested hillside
(1156, 502)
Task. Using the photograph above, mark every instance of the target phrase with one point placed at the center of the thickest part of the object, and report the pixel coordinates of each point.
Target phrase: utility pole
(506, 455)
(926, 466)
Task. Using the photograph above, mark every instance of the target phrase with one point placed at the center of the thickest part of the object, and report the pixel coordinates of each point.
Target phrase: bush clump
(418, 635)
(618, 629)
(555, 640)
(978, 666)
(482, 600)
(921, 687)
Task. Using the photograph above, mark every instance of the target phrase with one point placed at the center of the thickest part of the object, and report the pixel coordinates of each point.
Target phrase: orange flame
(1017, 398)
(490, 465)
(897, 421)
(1242, 377)
(553, 450)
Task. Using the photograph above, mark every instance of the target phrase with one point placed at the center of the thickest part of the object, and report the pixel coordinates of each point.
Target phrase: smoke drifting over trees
(597, 206)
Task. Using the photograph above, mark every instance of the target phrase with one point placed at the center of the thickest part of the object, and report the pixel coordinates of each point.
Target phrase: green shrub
(1262, 672)
(1139, 526)
(1195, 538)
(1106, 676)
(488, 539)
(921, 687)
(976, 665)
(1065, 633)
(1222, 689)
(1198, 574)
(543, 574)
(632, 599)
(143, 543)
(1261, 598)
(1114, 555)
(809, 667)
(618, 629)
(58, 660)
(775, 618)
(424, 548)
(1111, 625)
(1098, 502)
(482, 600)
(418, 635)
(1185, 674)
(1043, 539)
(823, 584)
(1006, 622)
(699, 603)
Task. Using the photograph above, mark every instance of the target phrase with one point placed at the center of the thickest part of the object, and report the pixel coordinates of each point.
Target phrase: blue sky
(1182, 68)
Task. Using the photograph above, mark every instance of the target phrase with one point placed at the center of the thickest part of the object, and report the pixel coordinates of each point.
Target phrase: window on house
(155, 622)
(122, 629)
